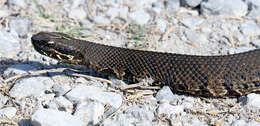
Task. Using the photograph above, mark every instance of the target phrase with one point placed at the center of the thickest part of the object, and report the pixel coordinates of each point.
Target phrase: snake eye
(50, 42)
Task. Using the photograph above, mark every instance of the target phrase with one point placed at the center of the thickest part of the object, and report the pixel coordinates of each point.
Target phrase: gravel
(34, 86)
(82, 93)
(90, 113)
(20, 25)
(230, 8)
(10, 45)
(140, 17)
(7, 113)
(196, 27)
(48, 117)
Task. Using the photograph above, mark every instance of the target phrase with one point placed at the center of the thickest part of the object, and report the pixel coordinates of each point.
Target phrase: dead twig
(166, 34)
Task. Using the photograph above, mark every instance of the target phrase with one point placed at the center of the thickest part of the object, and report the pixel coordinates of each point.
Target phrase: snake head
(57, 45)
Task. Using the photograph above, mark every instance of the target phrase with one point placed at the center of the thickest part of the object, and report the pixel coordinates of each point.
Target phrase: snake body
(214, 76)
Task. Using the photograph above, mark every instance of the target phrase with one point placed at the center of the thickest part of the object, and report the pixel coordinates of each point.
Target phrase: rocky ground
(39, 91)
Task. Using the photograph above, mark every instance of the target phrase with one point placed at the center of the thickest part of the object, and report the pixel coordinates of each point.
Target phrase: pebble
(3, 100)
(191, 3)
(63, 104)
(253, 123)
(20, 25)
(90, 113)
(239, 123)
(140, 4)
(139, 113)
(83, 93)
(101, 19)
(172, 4)
(4, 13)
(253, 100)
(192, 22)
(19, 3)
(61, 89)
(165, 95)
(112, 13)
(254, 8)
(229, 8)
(7, 113)
(18, 69)
(33, 86)
(78, 13)
(109, 122)
(49, 117)
(162, 25)
(9, 42)
(197, 38)
(123, 12)
(140, 17)
(168, 110)
(157, 7)
(250, 28)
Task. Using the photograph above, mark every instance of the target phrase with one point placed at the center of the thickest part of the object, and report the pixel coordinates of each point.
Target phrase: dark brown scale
(214, 76)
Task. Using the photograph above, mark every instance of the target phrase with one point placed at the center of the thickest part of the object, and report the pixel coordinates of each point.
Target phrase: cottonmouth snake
(214, 76)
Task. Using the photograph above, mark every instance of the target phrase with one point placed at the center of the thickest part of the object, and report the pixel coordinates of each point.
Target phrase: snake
(216, 76)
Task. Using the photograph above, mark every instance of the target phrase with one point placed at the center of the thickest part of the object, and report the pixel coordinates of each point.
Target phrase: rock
(192, 22)
(21, 25)
(240, 49)
(139, 113)
(101, 19)
(33, 86)
(86, 23)
(63, 104)
(3, 100)
(8, 112)
(19, 3)
(78, 13)
(199, 124)
(112, 13)
(197, 38)
(254, 7)
(253, 123)
(144, 123)
(206, 30)
(140, 17)
(137, 4)
(172, 4)
(77, 3)
(49, 117)
(165, 94)
(250, 28)
(162, 24)
(168, 110)
(61, 89)
(82, 93)
(109, 122)
(253, 100)
(230, 8)
(123, 13)
(18, 69)
(239, 123)
(4, 13)
(157, 7)
(256, 43)
(10, 45)
(191, 3)
(90, 113)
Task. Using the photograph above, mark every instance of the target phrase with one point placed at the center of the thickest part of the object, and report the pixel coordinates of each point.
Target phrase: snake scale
(209, 76)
